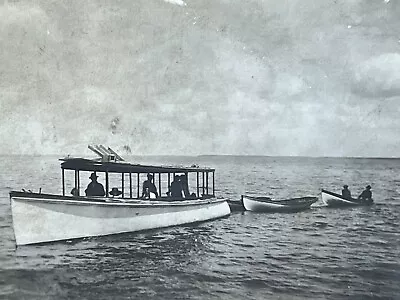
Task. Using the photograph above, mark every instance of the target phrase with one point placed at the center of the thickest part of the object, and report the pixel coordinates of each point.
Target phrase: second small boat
(266, 204)
(332, 199)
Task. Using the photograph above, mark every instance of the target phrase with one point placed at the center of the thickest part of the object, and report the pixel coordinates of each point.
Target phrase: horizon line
(221, 155)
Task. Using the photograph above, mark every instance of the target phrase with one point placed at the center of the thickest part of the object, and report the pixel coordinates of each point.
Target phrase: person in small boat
(94, 188)
(149, 187)
(346, 192)
(366, 195)
(175, 190)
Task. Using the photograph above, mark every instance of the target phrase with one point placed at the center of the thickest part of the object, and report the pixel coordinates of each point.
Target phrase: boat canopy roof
(82, 164)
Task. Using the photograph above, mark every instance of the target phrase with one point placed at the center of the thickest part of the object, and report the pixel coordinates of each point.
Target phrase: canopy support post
(123, 184)
(207, 182)
(202, 175)
(107, 184)
(159, 184)
(63, 181)
(187, 183)
(213, 183)
(79, 183)
(76, 181)
(197, 184)
(138, 184)
(130, 185)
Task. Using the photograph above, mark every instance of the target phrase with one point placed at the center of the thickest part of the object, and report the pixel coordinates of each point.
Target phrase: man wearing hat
(94, 188)
(366, 195)
(346, 192)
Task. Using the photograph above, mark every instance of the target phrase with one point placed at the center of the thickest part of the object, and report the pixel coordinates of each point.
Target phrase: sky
(173, 77)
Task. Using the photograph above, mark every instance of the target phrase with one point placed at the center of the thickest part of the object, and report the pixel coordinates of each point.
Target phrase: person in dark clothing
(366, 195)
(185, 186)
(175, 190)
(149, 187)
(94, 188)
(115, 192)
(74, 192)
(346, 192)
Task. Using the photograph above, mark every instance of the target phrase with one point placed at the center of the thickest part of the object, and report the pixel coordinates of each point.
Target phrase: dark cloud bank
(318, 78)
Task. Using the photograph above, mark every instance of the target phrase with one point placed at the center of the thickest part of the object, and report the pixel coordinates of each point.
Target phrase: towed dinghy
(266, 204)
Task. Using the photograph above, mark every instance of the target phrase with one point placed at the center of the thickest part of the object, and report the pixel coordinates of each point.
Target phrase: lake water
(323, 253)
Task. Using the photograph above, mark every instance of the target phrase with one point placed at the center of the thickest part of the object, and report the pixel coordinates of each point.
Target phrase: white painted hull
(38, 220)
(335, 200)
(331, 199)
(267, 205)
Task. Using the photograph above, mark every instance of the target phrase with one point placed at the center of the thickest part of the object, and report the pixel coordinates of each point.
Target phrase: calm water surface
(317, 254)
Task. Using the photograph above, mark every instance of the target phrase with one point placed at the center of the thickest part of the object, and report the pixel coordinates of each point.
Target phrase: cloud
(177, 2)
(378, 76)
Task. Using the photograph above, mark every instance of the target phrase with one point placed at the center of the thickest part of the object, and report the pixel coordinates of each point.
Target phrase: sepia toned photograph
(198, 149)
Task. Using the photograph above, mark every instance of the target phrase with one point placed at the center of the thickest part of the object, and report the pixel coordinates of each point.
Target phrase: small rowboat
(335, 200)
(266, 204)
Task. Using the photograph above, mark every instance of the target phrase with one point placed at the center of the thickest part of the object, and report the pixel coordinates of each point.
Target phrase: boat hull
(43, 219)
(262, 204)
(236, 205)
(335, 200)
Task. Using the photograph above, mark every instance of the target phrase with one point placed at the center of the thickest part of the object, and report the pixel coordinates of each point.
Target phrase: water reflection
(133, 261)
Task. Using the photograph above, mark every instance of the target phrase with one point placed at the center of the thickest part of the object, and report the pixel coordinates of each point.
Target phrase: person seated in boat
(74, 192)
(94, 188)
(346, 192)
(366, 195)
(175, 190)
(149, 187)
(185, 186)
(115, 192)
(192, 196)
